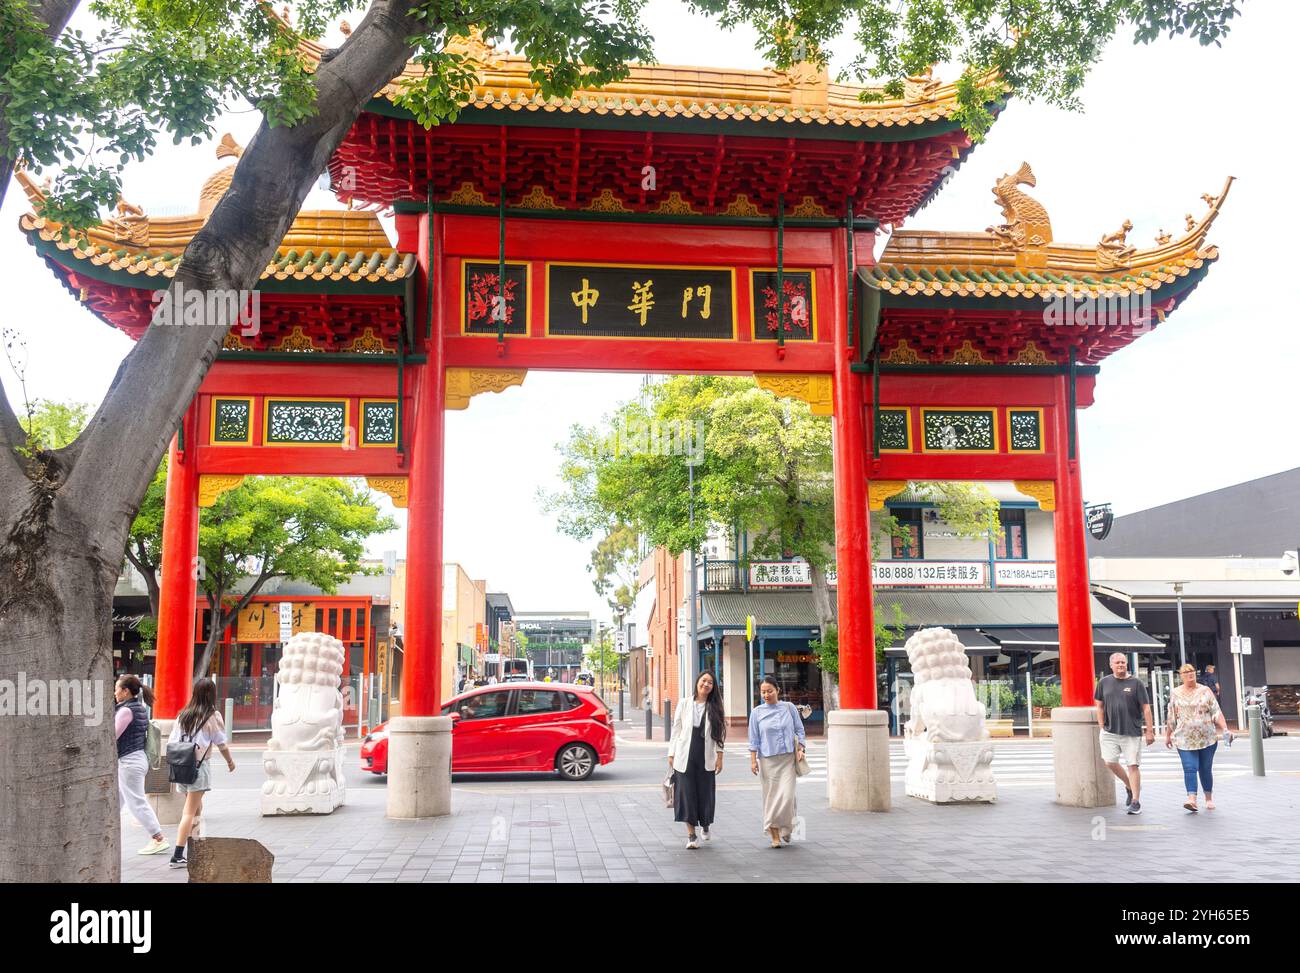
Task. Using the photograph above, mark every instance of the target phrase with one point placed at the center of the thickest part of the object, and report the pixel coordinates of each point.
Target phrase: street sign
(492, 658)
(620, 643)
(286, 621)
(1234, 642)
(749, 628)
(1245, 645)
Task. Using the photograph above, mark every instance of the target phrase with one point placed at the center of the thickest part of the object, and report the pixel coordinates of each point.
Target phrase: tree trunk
(61, 551)
(58, 775)
(824, 605)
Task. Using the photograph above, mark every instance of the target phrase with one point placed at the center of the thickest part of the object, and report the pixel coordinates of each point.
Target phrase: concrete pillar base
(419, 767)
(857, 759)
(1082, 780)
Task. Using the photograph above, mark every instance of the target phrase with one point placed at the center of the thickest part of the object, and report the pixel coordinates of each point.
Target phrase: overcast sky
(1206, 400)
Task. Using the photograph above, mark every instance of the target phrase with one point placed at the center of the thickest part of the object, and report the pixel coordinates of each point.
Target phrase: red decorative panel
(384, 160)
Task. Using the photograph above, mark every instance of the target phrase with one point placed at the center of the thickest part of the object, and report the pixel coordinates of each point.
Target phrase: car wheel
(577, 761)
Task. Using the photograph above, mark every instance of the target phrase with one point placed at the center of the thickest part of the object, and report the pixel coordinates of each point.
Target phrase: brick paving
(614, 828)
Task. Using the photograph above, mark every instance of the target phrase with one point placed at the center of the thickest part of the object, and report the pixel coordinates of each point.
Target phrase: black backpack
(183, 760)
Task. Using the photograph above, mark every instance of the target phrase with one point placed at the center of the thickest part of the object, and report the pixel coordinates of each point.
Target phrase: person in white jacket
(695, 756)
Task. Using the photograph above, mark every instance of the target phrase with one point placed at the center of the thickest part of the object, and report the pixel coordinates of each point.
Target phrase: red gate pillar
(1082, 780)
(857, 734)
(419, 741)
(174, 659)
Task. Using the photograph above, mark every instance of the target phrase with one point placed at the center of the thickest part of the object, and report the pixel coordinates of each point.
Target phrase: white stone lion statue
(304, 757)
(949, 755)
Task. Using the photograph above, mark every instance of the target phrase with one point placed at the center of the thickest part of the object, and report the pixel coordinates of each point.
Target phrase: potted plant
(1046, 697)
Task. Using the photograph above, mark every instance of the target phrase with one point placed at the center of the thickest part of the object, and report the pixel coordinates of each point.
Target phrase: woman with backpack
(131, 722)
(199, 725)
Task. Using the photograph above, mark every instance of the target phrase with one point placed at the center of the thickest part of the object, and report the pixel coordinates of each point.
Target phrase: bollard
(649, 723)
(1256, 741)
(620, 705)
(230, 716)
(668, 719)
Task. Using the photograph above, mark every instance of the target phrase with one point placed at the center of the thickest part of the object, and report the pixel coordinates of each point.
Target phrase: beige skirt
(779, 806)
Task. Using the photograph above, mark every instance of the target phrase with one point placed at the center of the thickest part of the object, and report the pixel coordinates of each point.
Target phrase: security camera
(1290, 563)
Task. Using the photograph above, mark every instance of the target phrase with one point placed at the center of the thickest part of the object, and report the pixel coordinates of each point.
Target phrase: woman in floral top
(1194, 715)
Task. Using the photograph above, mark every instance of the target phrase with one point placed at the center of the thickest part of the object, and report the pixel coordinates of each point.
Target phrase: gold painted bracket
(465, 383)
(394, 486)
(878, 491)
(1044, 491)
(213, 485)
(816, 390)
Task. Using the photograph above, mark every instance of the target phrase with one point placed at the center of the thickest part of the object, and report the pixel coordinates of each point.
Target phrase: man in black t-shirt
(1124, 715)
(1209, 678)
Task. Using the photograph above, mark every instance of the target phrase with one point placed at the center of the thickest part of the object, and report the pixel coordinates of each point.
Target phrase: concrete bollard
(649, 723)
(668, 719)
(1256, 740)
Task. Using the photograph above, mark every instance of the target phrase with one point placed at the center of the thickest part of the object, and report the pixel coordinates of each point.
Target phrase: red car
(523, 726)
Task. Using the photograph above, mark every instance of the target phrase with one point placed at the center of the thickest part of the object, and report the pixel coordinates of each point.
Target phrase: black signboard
(1099, 520)
(616, 301)
(800, 317)
(484, 304)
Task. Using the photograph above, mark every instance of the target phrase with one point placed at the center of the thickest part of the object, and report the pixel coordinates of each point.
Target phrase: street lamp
(1182, 641)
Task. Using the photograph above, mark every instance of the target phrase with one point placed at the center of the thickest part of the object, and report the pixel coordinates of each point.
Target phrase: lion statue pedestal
(304, 757)
(949, 755)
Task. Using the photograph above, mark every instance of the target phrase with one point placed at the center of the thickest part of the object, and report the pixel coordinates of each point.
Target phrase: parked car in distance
(585, 678)
(523, 727)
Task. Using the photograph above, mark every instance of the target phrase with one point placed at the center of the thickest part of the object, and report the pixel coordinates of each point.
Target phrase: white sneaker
(706, 834)
(693, 843)
(155, 847)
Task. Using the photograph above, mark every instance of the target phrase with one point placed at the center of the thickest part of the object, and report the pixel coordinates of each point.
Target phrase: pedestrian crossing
(1019, 764)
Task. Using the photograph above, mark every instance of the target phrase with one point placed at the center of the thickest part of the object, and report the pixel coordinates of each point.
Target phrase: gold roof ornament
(476, 49)
(956, 264)
(921, 87)
(216, 185)
(1027, 223)
(1113, 250)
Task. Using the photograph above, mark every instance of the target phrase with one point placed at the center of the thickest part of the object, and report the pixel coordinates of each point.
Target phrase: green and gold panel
(232, 421)
(306, 422)
(959, 430)
(378, 422)
(895, 427)
(1025, 427)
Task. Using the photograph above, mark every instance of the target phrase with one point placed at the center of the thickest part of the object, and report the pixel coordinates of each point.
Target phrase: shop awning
(1104, 638)
(974, 642)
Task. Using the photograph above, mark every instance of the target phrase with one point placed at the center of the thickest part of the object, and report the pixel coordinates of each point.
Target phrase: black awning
(972, 640)
(1104, 638)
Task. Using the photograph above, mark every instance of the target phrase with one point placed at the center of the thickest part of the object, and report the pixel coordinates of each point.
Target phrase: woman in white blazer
(695, 756)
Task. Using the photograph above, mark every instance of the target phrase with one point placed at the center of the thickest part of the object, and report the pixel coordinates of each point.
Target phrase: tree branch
(129, 433)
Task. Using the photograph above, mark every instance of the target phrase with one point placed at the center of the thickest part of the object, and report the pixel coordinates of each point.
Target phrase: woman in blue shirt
(776, 742)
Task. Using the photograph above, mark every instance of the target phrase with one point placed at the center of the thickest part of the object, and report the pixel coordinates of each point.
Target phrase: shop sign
(784, 574)
(961, 574)
(1025, 574)
(260, 621)
(1100, 519)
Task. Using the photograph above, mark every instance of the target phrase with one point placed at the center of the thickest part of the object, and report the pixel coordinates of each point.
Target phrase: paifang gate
(683, 220)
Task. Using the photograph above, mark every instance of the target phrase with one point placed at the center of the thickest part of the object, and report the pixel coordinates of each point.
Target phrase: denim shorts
(203, 782)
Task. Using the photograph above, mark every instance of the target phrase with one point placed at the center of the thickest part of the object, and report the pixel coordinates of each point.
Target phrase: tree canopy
(89, 102)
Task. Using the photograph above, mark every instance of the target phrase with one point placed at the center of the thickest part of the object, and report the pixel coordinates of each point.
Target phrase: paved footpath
(614, 828)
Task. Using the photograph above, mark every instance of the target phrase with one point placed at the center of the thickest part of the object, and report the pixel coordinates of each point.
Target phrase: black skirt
(694, 794)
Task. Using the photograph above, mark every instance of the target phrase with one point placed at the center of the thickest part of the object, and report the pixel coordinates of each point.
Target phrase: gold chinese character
(704, 292)
(642, 299)
(585, 298)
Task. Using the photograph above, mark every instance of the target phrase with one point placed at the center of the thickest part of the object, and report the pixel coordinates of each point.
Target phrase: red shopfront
(248, 656)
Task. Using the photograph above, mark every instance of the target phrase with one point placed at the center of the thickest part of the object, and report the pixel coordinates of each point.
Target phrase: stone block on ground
(240, 861)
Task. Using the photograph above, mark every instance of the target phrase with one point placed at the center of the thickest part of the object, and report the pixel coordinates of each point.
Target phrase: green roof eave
(759, 128)
(153, 282)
